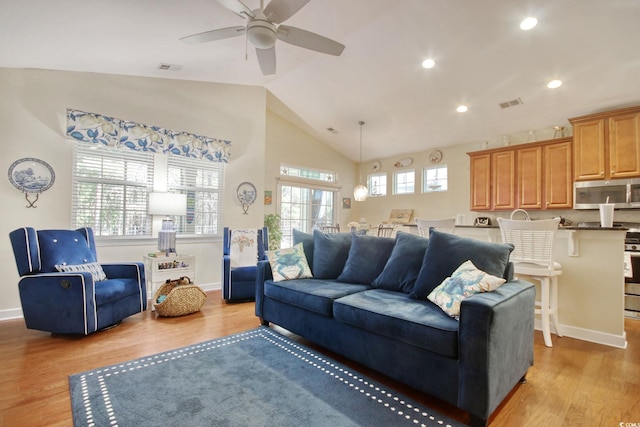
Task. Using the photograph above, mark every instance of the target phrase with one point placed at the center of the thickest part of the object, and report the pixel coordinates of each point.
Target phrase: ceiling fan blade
(280, 10)
(237, 7)
(309, 40)
(219, 34)
(267, 60)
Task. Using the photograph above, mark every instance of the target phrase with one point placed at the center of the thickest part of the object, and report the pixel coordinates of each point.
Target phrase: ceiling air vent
(169, 67)
(511, 103)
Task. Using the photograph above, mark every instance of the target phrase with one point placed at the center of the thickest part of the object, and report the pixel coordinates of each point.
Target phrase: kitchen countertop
(571, 227)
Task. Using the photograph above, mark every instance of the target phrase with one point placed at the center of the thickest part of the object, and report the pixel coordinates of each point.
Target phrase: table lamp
(169, 205)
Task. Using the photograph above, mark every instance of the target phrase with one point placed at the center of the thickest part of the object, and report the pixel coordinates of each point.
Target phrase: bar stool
(444, 225)
(533, 257)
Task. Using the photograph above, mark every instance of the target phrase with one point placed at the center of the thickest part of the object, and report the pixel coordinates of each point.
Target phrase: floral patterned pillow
(289, 263)
(464, 282)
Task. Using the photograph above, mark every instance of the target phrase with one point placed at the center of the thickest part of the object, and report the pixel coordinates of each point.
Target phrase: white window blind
(110, 188)
(203, 183)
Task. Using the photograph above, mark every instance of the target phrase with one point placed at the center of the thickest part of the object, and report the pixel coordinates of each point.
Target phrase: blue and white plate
(31, 175)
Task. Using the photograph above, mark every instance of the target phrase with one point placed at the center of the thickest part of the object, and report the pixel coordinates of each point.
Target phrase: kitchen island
(591, 288)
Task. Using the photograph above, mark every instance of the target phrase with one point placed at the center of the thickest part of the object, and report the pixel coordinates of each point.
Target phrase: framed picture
(268, 197)
(346, 203)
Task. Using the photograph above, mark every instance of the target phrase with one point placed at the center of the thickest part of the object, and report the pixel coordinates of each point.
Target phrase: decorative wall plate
(403, 163)
(31, 175)
(246, 194)
(376, 166)
(435, 156)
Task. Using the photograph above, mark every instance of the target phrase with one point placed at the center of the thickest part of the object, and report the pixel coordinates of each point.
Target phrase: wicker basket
(181, 298)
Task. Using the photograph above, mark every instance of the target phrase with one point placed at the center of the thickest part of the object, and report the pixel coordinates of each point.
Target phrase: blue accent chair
(82, 298)
(239, 282)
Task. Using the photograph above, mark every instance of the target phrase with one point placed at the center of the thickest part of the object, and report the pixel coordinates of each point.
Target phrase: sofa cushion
(396, 315)
(447, 251)
(289, 263)
(402, 267)
(307, 243)
(467, 280)
(367, 257)
(330, 253)
(311, 294)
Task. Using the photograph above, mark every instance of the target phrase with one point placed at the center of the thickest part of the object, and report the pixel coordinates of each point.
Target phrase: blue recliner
(64, 290)
(241, 251)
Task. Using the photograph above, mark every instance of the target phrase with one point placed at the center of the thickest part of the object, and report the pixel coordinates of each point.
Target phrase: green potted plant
(272, 222)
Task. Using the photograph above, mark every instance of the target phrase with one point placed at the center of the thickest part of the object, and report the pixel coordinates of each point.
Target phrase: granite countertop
(571, 227)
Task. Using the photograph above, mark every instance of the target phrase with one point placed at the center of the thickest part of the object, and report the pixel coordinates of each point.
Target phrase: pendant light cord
(361, 123)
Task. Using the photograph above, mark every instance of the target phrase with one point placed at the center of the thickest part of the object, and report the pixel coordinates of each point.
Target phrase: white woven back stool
(533, 257)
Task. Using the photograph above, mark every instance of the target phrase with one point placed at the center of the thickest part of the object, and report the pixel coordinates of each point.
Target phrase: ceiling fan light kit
(263, 29)
(261, 34)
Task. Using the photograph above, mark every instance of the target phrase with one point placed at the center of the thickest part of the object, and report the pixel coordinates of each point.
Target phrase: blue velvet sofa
(367, 300)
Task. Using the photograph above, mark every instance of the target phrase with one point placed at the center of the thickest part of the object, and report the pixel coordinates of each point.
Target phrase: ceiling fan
(264, 27)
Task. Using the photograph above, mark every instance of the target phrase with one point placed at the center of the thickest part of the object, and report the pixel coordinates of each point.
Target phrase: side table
(160, 268)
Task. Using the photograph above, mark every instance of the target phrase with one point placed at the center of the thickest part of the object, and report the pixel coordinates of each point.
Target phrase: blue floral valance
(98, 129)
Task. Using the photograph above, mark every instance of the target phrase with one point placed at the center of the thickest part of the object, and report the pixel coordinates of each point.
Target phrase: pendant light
(360, 193)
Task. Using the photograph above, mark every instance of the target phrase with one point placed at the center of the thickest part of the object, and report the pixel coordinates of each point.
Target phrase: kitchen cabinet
(503, 167)
(558, 168)
(528, 176)
(480, 166)
(607, 145)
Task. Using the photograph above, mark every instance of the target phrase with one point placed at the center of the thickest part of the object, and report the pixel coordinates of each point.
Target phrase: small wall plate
(403, 163)
(435, 156)
(376, 166)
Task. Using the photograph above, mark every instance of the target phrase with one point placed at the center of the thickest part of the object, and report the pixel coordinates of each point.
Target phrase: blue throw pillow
(367, 257)
(447, 251)
(307, 243)
(330, 253)
(402, 268)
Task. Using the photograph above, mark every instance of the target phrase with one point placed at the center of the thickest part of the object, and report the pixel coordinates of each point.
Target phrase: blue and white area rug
(255, 378)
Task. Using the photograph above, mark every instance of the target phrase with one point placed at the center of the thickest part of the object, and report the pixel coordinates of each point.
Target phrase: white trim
(11, 314)
(619, 341)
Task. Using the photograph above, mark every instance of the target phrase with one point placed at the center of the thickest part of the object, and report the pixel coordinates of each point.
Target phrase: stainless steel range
(632, 273)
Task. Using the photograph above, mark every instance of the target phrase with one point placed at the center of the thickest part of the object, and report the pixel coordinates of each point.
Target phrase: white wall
(33, 105)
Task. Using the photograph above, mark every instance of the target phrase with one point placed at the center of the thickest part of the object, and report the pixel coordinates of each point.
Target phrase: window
(307, 199)
(434, 179)
(203, 183)
(377, 184)
(404, 182)
(307, 173)
(110, 188)
(303, 209)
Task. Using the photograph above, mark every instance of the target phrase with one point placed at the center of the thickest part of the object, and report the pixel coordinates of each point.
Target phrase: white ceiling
(482, 59)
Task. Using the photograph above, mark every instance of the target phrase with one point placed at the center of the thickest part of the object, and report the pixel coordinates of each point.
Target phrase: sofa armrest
(124, 270)
(263, 273)
(495, 345)
(67, 298)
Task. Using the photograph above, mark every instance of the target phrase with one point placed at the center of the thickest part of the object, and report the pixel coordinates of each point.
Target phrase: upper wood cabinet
(480, 165)
(607, 145)
(527, 176)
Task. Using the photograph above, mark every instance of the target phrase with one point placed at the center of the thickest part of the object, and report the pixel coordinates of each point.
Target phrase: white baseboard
(619, 341)
(10, 314)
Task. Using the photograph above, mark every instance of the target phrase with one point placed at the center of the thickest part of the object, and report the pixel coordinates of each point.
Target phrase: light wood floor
(575, 383)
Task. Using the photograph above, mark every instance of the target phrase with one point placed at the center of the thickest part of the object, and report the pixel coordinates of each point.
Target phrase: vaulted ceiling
(482, 58)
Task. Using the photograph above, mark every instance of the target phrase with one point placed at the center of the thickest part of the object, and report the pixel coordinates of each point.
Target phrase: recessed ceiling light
(462, 109)
(528, 23)
(554, 84)
(428, 63)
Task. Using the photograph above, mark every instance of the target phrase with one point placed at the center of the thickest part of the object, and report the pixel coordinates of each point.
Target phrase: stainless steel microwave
(624, 193)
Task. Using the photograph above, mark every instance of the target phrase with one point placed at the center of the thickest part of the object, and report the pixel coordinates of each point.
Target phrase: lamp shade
(360, 193)
(169, 204)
